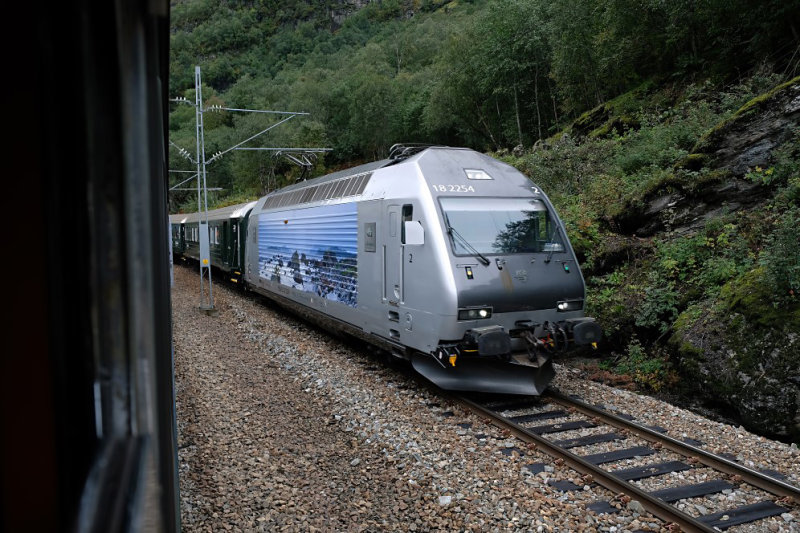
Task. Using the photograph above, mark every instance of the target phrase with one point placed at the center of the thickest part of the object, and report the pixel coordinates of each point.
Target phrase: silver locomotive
(442, 256)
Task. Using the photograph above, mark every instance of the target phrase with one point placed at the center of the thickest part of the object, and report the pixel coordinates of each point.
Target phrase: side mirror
(415, 234)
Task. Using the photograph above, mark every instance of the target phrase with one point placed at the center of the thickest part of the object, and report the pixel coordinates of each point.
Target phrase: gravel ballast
(282, 427)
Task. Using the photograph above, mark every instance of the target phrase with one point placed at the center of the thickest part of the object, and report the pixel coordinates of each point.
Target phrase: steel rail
(655, 506)
(748, 475)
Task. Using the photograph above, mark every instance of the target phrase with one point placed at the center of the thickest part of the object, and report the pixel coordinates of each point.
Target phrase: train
(441, 256)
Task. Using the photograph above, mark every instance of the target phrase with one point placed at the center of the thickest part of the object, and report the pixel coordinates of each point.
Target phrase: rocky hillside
(684, 204)
(746, 347)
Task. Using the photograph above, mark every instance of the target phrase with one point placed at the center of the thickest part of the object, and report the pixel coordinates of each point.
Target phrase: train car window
(407, 212)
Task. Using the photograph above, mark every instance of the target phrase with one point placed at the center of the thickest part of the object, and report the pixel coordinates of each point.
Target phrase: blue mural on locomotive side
(313, 250)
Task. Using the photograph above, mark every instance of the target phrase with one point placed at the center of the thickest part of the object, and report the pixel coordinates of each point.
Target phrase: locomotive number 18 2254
(453, 188)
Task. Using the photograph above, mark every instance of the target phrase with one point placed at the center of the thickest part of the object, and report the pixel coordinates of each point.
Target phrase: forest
(619, 109)
(489, 75)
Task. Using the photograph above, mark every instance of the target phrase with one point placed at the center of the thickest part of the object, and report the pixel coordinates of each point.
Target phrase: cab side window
(406, 214)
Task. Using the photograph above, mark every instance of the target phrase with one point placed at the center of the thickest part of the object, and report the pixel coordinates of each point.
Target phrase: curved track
(528, 427)
(529, 424)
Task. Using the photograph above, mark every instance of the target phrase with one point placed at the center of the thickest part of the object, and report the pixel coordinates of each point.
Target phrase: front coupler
(553, 337)
(488, 341)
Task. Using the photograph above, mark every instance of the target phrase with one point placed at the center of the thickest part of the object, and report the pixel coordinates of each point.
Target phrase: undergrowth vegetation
(646, 368)
(644, 289)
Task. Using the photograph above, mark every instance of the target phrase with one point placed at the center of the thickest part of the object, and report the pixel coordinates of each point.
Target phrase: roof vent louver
(347, 187)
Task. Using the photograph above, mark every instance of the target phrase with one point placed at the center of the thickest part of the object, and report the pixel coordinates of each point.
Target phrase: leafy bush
(659, 308)
(665, 138)
(582, 227)
(781, 256)
(609, 299)
(651, 371)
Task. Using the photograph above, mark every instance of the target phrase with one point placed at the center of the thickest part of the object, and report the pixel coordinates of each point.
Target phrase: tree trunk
(398, 59)
(536, 99)
(553, 98)
(516, 112)
(482, 120)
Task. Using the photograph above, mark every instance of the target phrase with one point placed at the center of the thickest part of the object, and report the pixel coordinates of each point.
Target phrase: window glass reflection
(501, 226)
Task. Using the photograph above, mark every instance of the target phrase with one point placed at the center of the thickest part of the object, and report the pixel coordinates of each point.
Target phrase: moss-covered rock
(613, 117)
(748, 137)
(684, 201)
(743, 351)
(616, 126)
(692, 162)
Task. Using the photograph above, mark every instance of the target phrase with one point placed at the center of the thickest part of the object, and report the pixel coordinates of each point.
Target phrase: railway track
(543, 420)
(531, 420)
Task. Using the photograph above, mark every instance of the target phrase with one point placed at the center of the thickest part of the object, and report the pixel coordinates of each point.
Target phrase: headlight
(477, 313)
(569, 305)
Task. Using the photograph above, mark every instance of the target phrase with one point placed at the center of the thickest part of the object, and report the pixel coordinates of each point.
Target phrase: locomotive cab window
(407, 212)
(500, 226)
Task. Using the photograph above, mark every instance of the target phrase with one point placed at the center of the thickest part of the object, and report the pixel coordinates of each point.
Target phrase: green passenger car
(227, 232)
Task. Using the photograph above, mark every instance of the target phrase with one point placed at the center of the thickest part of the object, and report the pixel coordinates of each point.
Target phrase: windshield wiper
(553, 245)
(452, 231)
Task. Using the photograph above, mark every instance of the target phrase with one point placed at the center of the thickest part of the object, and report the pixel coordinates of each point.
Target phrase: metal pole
(202, 162)
(198, 102)
(205, 259)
